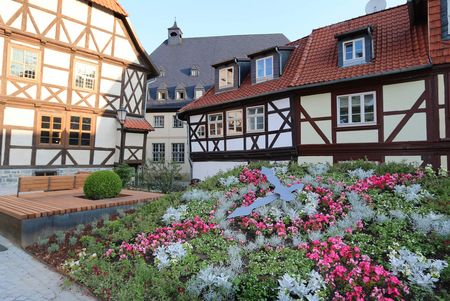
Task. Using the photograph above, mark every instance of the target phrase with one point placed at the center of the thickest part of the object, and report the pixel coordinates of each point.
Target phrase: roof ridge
(359, 17)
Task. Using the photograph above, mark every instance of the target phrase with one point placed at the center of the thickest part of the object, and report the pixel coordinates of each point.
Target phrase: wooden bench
(51, 183)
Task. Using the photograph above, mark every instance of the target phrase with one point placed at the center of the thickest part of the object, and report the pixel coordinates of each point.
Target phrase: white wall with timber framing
(61, 34)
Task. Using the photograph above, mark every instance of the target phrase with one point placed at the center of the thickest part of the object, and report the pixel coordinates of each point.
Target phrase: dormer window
(354, 52)
(226, 77)
(264, 69)
(180, 95)
(198, 93)
(162, 72)
(195, 72)
(162, 95)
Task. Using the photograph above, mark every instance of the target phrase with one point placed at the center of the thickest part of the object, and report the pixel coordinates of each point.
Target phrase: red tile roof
(397, 44)
(138, 124)
(111, 5)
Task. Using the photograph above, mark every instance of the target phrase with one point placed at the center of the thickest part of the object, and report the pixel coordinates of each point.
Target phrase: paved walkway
(22, 278)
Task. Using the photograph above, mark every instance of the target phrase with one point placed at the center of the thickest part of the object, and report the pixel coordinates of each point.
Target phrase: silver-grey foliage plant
(213, 283)
(290, 287)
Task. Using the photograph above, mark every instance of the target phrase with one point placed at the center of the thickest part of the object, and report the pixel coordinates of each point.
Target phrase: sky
(200, 18)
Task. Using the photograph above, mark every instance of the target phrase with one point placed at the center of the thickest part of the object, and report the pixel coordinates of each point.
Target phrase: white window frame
(37, 66)
(216, 123)
(255, 116)
(265, 77)
(84, 76)
(227, 84)
(161, 152)
(199, 135)
(158, 121)
(231, 116)
(362, 110)
(159, 95)
(178, 155)
(354, 60)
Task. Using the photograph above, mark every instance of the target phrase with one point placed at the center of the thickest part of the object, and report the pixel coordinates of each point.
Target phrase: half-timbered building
(66, 67)
(374, 87)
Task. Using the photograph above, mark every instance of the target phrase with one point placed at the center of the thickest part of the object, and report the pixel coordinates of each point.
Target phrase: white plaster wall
(124, 50)
(318, 105)
(100, 156)
(18, 117)
(138, 154)
(8, 9)
(220, 146)
(202, 170)
(21, 138)
(31, 92)
(402, 96)
(441, 89)
(416, 160)
(2, 43)
(308, 134)
(44, 156)
(275, 121)
(81, 157)
(315, 159)
(444, 162)
(112, 71)
(196, 146)
(195, 118)
(284, 140)
(75, 9)
(45, 94)
(47, 4)
(102, 19)
(281, 104)
(106, 131)
(134, 139)
(442, 116)
(20, 157)
(414, 130)
(41, 19)
(168, 130)
(55, 77)
(235, 144)
(110, 87)
(366, 136)
(56, 58)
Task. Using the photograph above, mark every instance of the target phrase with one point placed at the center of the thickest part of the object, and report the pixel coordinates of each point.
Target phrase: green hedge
(103, 184)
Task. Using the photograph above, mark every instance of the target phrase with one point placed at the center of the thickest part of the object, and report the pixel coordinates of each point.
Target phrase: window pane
(18, 55)
(86, 124)
(356, 109)
(269, 67)
(369, 108)
(260, 68)
(348, 50)
(359, 49)
(260, 122)
(56, 138)
(45, 137)
(74, 137)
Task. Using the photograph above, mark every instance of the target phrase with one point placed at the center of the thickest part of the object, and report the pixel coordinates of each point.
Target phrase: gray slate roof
(177, 61)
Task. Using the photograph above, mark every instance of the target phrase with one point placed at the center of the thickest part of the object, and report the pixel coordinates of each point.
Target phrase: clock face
(280, 192)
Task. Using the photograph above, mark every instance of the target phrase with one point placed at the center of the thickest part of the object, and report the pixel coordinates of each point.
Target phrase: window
(85, 76)
(178, 152)
(354, 52)
(159, 152)
(215, 122)
(162, 95)
(255, 119)
(80, 131)
(234, 122)
(201, 131)
(180, 95)
(226, 77)
(159, 121)
(195, 72)
(198, 94)
(356, 109)
(24, 63)
(177, 123)
(162, 72)
(264, 69)
(51, 130)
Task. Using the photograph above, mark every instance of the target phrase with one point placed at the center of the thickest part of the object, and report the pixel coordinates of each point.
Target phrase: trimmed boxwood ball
(104, 184)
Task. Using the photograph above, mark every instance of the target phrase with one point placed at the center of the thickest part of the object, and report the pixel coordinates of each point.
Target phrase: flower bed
(355, 231)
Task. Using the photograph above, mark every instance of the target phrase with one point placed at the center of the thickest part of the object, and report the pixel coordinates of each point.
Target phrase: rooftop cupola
(175, 35)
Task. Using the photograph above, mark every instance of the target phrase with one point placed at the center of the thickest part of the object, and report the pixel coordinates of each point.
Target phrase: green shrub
(161, 175)
(125, 172)
(53, 248)
(103, 184)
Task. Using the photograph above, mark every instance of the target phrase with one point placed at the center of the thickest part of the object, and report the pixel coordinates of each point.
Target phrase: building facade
(67, 66)
(185, 74)
(375, 87)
